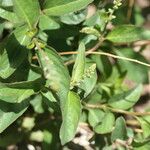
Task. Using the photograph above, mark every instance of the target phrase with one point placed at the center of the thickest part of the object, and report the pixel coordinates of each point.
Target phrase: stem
(101, 40)
(105, 54)
(99, 106)
(133, 123)
(129, 12)
(138, 130)
(37, 44)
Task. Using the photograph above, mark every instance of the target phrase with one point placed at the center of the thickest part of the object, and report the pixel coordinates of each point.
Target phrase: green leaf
(22, 35)
(55, 72)
(145, 125)
(140, 74)
(106, 125)
(61, 7)
(8, 15)
(6, 3)
(74, 18)
(12, 54)
(120, 131)
(127, 99)
(10, 112)
(95, 116)
(37, 103)
(145, 146)
(47, 23)
(128, 33)
(84, 117)
(103, 65)
(14, 95)
(28, 11)
(98, 19)
(71, 117)
(34, 79)
(96, 96)
(79, 66)
(48, 94)
(91, 30)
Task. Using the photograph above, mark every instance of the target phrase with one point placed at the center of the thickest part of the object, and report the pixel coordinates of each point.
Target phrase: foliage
(55, 74)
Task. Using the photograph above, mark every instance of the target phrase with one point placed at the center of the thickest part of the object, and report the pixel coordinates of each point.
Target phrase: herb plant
(71, 65)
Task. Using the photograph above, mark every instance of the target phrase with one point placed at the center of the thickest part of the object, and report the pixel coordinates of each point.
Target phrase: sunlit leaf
(79, 66)
(120, 131)
(55, 72)
(10, 112)
(127, 99)
(106, 125)
(61, 7)
(128, 33)
(24, 11)
(71, 117)
(95, 116)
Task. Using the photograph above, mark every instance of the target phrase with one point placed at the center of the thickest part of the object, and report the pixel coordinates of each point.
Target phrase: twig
(99, 106)
(142, 43)
(107, 54)
(101, 40)
(132, 123)
(129, 12)
(138, 130)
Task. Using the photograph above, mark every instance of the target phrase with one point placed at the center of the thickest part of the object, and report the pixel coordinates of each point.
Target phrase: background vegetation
(74, 74)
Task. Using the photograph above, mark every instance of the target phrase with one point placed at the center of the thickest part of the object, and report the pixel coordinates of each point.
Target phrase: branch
(129, 12)
(106, 54)
(99, 106)
(133, 123)
(101, 40)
